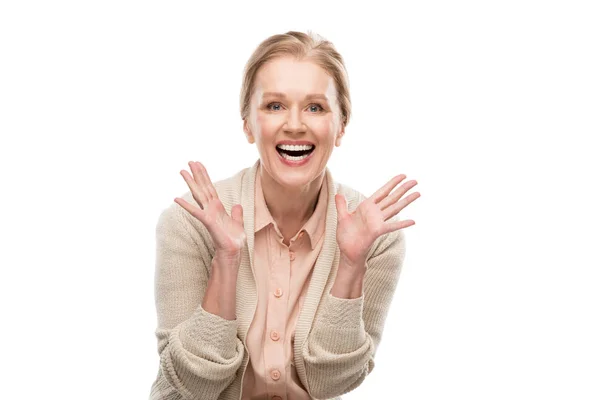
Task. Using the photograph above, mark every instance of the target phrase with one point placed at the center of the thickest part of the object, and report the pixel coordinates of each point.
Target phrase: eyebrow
(308, 96)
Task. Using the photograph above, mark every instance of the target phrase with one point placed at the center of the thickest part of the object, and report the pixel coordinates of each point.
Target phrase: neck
(290, 206)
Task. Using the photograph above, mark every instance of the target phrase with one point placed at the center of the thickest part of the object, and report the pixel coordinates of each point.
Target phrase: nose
(294, 121)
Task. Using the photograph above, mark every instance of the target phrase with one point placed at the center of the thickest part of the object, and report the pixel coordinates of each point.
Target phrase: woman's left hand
(357, 231)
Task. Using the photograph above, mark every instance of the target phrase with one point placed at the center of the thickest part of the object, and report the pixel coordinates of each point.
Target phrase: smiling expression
(294, 101)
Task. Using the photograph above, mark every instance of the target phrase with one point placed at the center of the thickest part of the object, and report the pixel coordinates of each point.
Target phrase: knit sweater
(204, 356)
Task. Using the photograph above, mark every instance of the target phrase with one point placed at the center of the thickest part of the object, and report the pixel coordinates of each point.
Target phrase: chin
(293, 180)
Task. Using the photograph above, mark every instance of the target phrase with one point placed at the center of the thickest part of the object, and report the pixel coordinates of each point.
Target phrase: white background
(493, 107)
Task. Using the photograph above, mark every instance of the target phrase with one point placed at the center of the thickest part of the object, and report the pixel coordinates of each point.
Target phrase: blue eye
(275, 104)
(316, 105)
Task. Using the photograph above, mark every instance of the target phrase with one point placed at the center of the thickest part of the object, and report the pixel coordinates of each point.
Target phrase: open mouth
(295, 153)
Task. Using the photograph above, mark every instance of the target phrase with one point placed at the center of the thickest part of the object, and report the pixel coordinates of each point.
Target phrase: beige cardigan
(204, 356)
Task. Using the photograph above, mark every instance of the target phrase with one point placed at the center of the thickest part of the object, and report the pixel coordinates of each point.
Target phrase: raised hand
(357, 231)
(227, 232)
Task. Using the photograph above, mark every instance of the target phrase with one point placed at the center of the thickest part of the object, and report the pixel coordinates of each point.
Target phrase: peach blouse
(282, 276)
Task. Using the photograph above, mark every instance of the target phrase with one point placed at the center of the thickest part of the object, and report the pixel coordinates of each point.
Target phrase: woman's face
(294, 102)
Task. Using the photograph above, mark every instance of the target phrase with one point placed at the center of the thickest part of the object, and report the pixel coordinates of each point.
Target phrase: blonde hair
(309, 46)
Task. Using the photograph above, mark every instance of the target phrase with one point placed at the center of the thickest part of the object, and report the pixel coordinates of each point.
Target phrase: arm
(199, 350)
(341, 346)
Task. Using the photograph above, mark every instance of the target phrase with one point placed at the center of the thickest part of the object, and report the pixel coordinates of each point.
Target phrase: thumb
(237, 213)
(341, 205)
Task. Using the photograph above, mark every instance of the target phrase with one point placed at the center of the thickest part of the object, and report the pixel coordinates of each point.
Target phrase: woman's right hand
(227, 232)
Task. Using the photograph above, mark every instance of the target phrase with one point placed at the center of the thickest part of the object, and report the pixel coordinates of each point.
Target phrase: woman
(275, 283)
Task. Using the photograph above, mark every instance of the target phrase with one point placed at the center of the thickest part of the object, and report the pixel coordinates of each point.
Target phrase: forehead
(294, 78)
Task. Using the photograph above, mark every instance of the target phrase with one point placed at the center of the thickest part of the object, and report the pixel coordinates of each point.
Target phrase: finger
(195, 211)
(204, 182)
(237, 213)
(396, 194)
(341, 205)
(386, 189)
(394, 226)
(395, 208)
(197, 174)
(211, 193)
(195, 188)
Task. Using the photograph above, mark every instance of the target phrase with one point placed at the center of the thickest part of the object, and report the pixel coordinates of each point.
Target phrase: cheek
(267, 123)
(333, 126)
(324, 127)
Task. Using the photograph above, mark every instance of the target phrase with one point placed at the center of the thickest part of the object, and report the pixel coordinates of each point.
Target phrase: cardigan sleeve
(340, 350)
(200, 352)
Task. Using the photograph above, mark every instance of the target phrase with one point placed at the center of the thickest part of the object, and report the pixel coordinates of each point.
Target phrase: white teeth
(291, 158)
(295, 147)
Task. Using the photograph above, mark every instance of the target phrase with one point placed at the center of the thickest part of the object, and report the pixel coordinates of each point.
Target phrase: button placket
(279, 276)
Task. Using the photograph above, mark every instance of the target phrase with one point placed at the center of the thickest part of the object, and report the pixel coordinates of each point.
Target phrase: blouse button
(292, 255)
(275, 335)
(278, 292)
(275, 374)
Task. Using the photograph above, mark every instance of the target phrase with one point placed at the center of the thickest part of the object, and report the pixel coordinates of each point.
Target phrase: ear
(248, 132)
(338, 138)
